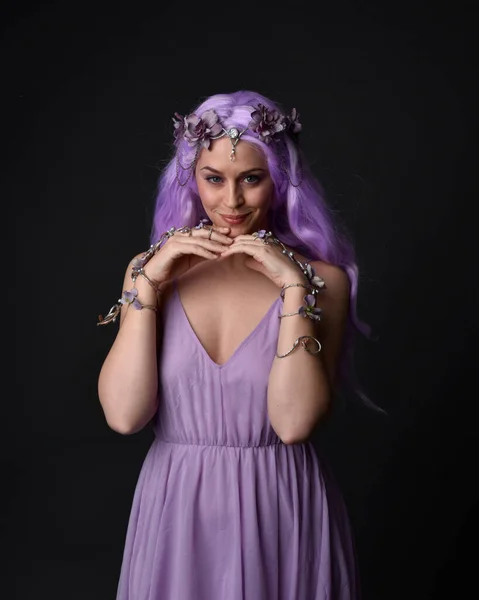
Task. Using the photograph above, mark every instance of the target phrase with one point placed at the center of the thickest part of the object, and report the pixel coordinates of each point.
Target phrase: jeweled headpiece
(268, 124)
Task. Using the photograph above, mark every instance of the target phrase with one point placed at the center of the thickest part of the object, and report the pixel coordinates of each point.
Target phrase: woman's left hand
(267, 259)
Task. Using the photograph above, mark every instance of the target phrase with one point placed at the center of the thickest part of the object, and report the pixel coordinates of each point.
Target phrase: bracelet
(289, 314)
(301, 340)
(304, 285)
(316, 283)
(153, 284)
(310, 310)
(129, 297)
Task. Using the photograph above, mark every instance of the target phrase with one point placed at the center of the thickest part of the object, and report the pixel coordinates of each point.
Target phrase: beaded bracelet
(301, 340)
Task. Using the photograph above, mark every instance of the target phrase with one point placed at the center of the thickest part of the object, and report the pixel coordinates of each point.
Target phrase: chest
(223, 316)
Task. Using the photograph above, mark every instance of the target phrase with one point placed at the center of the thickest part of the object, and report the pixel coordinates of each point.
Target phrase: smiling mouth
(235, 216)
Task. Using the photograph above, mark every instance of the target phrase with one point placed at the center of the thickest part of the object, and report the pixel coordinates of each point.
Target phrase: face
(239, 187)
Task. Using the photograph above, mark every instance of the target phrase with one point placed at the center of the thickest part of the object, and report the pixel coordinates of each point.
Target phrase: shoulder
(336, 278)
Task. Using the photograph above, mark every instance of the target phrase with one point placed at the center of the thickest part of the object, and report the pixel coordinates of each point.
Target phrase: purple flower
(179, 125)
(138, 263)
(130, 297)
(267, 122)
(310, 309)
(318, 282)
(313, 278)
(202, 223)
(201, 129)
(309, 271)
(294, 125)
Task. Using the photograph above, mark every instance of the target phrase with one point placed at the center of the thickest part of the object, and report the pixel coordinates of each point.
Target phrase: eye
(251, 179)
(213, 179)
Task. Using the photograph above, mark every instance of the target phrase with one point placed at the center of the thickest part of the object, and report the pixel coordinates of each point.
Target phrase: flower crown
(267, 123)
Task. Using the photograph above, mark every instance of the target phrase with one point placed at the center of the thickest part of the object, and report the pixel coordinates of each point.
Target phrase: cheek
(206, 192)
(261, 196)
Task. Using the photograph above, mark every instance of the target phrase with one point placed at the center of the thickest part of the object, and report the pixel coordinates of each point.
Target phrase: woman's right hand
(183, 251)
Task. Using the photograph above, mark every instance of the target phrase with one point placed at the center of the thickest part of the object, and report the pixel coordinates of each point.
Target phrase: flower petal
(192, 120)
(318, 281)
(209, 118)
(138, 262)
(216, 129)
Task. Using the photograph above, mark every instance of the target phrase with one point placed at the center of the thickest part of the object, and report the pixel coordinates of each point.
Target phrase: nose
(234, 195)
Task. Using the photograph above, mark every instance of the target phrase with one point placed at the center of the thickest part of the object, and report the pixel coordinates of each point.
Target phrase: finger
(217, 234)
(245, 242)
(200, 251)
(236, 248)
(243, 237)
(213, 245)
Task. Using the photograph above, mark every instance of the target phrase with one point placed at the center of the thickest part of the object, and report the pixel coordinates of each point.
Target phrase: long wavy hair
(299, 215)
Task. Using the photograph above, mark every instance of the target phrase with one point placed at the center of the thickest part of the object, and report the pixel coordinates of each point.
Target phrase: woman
(234, 334)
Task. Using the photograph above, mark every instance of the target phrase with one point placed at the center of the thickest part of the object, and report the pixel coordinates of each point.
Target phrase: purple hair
(299, 216)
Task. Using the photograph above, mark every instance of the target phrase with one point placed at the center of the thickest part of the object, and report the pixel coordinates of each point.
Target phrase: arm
(128, 381)
(300, 384)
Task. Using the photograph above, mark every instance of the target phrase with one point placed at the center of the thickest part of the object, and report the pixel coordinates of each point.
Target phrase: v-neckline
(241, 344)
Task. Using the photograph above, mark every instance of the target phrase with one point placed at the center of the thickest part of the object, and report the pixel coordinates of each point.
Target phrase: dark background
(386, 97)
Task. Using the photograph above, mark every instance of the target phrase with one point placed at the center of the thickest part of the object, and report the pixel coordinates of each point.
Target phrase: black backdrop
(386, 100)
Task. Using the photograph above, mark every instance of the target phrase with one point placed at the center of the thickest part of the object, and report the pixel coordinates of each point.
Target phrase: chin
(245, 228)
(242, 230)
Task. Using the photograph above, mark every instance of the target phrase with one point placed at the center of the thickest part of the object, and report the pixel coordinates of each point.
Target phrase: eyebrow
(239, 175)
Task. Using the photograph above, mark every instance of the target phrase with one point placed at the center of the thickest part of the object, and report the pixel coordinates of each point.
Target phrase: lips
(236, 216)
(234, 219)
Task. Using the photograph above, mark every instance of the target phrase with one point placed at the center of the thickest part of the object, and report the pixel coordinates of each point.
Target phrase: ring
(211, 232)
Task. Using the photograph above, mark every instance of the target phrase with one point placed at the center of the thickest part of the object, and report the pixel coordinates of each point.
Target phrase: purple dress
(223, 510)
